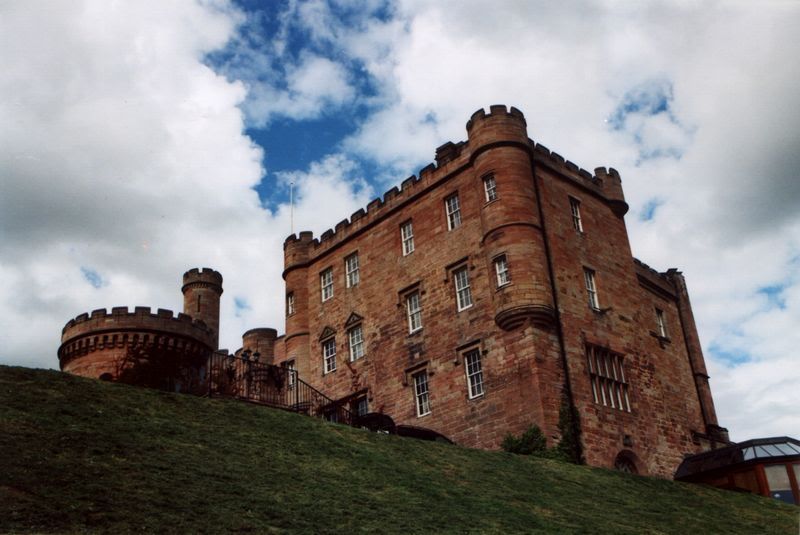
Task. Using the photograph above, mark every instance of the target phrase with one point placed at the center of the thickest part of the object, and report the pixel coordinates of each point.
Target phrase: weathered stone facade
(554, 225)
(103, 345)
(476, 300)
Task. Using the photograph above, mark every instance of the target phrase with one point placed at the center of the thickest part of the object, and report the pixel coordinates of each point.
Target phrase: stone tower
(202, 289)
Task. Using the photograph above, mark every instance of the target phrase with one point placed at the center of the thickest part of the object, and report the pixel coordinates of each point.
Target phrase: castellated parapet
(103, 343)
(500, 127)
(201, 292)
(490, 293)
(528, 303)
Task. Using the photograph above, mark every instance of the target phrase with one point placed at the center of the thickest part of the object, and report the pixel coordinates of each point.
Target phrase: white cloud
(721, 161)
(123, 154)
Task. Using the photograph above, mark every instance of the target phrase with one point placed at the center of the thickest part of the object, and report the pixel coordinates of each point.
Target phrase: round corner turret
(262, 341)
(202, 289)
(612, 189)
(499, 125)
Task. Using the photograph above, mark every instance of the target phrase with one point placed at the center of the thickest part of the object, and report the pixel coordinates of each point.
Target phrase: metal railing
(244, 377)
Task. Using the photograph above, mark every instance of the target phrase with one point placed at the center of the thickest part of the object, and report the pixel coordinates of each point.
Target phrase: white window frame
(291, 372)
(575, 209)
(490, 187)
(591, 288)
(357, 404)
(351, 270)
(326, 284)
(407, 237)
(355, 339)
(329, 356)
(453, 209)
(473, 367)
(289, 304)
(661, 323)
(501, 271)
(422, 395)
(463, 291)
(414, 312)
(607, 376)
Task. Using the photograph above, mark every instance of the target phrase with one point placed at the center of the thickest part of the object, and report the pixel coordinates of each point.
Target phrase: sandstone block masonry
(472, 299)
(476, 300)
(102, 344)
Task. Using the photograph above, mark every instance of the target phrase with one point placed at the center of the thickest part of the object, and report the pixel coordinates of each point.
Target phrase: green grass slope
(80, 455)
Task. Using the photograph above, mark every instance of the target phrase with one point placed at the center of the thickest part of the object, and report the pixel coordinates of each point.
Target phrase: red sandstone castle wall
(97, 345)
(522, 366)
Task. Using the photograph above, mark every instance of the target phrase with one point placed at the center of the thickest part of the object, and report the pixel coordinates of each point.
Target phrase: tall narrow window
(474, 370)
(463, 293)
(407, 237)
(453, 209)
(414, 311)
(290, 303)
(356, 338)
(591, 289)
(490, 188)
(421, 394)
(326, 284)
(291, 372)
(661, 323)
(351, 270)
(360, 406)
(329, 355)
(575, 207)
(607, 375)
(501, 270)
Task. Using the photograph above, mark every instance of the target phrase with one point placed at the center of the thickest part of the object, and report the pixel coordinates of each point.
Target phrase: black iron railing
(245, 377)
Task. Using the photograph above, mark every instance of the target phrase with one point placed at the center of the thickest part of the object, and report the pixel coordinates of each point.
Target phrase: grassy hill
(82, 455)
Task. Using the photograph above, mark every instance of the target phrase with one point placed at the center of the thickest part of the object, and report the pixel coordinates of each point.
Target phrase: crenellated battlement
(654, 279)
(500, 125)
(205, 276)
(496, 111)
(141, 318)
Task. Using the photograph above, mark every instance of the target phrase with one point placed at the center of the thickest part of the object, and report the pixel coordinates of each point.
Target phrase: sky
(141, 139)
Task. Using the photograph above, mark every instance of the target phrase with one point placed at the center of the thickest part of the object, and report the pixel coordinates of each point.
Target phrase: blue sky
(142, 139)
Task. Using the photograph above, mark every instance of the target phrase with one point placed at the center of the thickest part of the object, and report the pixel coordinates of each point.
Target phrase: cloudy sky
(140, 139)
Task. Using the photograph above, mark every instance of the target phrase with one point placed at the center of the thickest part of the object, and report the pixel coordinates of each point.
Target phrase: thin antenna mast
(291, 207)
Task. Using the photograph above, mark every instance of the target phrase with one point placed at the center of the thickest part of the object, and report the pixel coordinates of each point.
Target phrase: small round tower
(512, 231)
(296, 255)
(202, 289)
(261, 341)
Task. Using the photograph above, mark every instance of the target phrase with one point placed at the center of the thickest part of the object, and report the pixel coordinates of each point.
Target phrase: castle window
(356, 338)
(360, 406)
(351, 269)
(291, 372)
(453, 209)
(474, 370)
(290, 303)
(329, 355)
(661, 323)
(414, 311)
(421, 394)
(575, 208)
(407, 237)
(326, 284)
(501, 270)
(607, 375)
(463, 292)
(490, 187)
(591, 289)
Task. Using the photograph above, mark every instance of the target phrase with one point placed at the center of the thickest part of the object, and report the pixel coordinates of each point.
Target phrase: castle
(490, 293)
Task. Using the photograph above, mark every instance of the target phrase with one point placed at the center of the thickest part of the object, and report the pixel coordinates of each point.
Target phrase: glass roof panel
(772, 451)
(749, 454)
